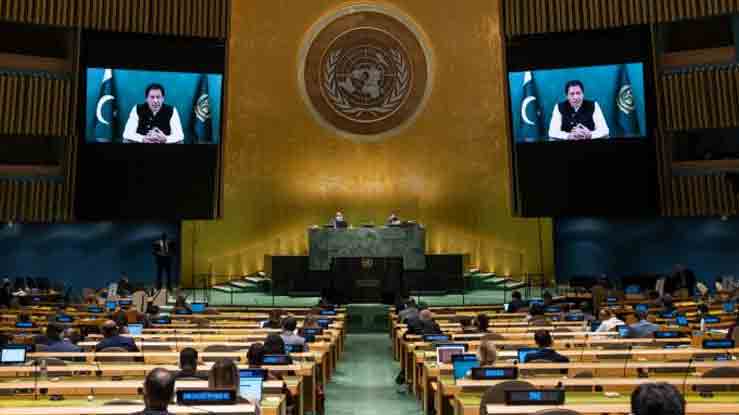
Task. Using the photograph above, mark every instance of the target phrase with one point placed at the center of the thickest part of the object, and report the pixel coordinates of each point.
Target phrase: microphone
(35, 379)
(628, 357)
(687, 373)
(585, 346)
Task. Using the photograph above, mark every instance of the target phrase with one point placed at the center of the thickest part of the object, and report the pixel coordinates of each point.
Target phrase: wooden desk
(241, 409)
(463, 397)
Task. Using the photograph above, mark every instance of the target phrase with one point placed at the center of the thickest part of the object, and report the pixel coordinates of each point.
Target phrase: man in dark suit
(111, 338)
(158, 392)
(163, 251)
(544, 341)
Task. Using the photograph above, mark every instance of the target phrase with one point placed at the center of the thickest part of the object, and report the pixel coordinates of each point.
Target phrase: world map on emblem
(365, 73)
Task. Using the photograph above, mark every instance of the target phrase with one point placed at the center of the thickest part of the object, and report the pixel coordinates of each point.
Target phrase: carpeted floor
(364, 382)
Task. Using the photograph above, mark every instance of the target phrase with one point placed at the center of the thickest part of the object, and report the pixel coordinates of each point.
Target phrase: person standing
(163, 252)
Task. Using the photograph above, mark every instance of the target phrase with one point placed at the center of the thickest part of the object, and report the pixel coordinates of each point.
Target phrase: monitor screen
(463, 363)
(579, 103)
(197, 307)
(152, 107)
(324, 322)
(124, 303)
(667, 334)
(312, 331)
(535, 397)
(161, 320)
(190, 397)
(294, 348)
(182, 311)
(612, 300)
(553, 309)
(444, 353)
(524, 352)
(110, 305)
(623, 331)
(668, 314)
(135, 329)
(328, 312)
(536, 301)
(718, 344)
(681, 321)
(489, 373)
(711, 320)
(94, 310)
(729, 306)
(64, 318)
(575, 317)
(641, 308)
(24, 324)
(435, 338)
(276, 359)
(250, 385)
(13, 354)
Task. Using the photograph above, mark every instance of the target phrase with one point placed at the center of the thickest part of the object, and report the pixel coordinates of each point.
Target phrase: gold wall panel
(38, 200)
(284, 172)
(524, 17)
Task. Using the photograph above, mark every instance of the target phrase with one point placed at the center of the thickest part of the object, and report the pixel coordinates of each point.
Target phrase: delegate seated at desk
(338, 221)
(393, 220)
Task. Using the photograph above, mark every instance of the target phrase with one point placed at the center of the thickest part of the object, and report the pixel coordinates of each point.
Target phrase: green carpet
(364, 382)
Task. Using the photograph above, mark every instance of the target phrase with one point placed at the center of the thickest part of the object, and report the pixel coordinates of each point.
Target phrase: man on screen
(577, 118)
(154, 122)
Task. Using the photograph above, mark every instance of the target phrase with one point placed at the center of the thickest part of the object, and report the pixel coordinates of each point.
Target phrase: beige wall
(284, 172)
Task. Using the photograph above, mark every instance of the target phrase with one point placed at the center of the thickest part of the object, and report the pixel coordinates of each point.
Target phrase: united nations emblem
(202, 108)
(365, 72)
(625, 100)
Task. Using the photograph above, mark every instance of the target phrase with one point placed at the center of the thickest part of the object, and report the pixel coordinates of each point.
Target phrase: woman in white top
(609, 321)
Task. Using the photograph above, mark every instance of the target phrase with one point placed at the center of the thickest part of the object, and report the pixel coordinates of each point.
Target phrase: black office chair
(557, 412)
(496, 394)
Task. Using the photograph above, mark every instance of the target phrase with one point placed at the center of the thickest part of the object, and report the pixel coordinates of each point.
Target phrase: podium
(407, 242)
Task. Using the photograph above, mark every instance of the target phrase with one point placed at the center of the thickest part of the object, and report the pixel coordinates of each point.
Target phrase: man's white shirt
(132, 124)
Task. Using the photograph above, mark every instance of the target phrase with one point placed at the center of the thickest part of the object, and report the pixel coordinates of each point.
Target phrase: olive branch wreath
(392, 101)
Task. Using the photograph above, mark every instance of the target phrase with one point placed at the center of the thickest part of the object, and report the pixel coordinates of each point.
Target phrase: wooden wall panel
(198, 18)
(704, 97)
(36, 200)
(544, 16)
(35, 105)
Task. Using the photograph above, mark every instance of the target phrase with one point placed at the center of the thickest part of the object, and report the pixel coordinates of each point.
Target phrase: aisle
(364, 383)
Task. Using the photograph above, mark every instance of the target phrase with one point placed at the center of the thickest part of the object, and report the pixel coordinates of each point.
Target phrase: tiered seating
(89, 382)
(604, 367)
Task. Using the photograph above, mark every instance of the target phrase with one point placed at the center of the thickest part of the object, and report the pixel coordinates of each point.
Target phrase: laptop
(250, 384)
(463, 363)
(111, 305)
(681, 321)
(136, 329)
(524, 352)
(324, 322)
(13, 355)
(198, 307)
(444, 353)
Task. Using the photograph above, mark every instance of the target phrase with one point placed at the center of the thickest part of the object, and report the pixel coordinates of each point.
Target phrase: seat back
(116, 359)
(496, 394)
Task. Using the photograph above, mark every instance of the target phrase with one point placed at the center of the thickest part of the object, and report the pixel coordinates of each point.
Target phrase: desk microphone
(628, 357)
(582, 354)
(687, 373)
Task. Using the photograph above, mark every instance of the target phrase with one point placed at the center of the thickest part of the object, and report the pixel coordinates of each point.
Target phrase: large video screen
(152, 107)
(579, 103)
